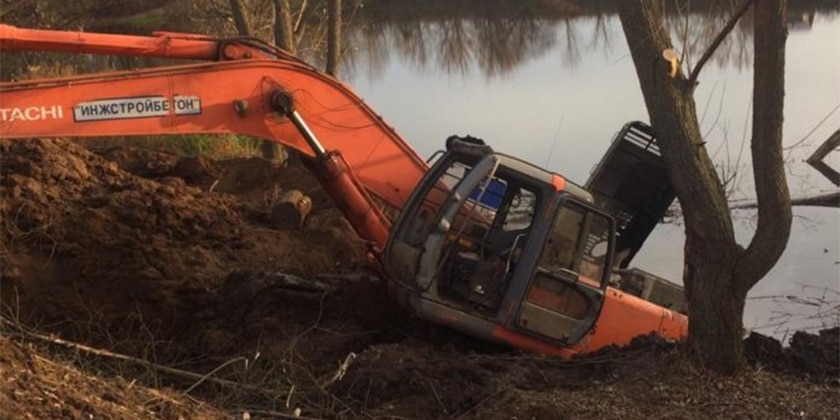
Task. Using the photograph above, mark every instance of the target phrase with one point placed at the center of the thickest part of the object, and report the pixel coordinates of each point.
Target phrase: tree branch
(240, 18)
(823, 200)
(774, 211)
(301, 14)
(816, 159)
(692, 79)
(134, 360)
(673, 117)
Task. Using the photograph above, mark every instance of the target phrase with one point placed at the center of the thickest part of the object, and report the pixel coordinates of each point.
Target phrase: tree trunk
(774, 212)
(240, 18)
(713, 282)
(269, 149)
(718, 272)
(283, 37)
(716, 311)
(291, 211)
(333, 36)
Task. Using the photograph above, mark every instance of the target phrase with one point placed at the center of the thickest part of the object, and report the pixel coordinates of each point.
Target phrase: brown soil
(39, 386)
(181, 262)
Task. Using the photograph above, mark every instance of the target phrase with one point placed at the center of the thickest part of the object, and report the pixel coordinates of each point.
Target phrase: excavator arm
(255, 90)
(161, 44)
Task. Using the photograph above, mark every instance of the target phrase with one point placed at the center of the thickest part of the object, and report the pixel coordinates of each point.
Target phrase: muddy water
(555, 91)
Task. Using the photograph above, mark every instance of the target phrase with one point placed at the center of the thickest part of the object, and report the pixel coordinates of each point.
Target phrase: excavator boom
(222, 97)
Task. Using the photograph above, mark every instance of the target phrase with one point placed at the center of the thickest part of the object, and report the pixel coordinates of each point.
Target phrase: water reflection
(801, 21)
(492, 47)
(498, 41)
(491, 39)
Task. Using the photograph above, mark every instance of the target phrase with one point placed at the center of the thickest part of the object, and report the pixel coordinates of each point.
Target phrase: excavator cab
(501, 249)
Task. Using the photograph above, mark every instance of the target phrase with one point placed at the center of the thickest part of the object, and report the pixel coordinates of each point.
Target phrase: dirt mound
(817, 356)
(35, 385)
(103, 249)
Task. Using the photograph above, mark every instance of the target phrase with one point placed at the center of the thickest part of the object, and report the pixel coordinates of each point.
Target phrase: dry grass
(206, 145)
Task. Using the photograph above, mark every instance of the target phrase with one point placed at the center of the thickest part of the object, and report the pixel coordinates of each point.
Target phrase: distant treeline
(141, 16)
(396, 9)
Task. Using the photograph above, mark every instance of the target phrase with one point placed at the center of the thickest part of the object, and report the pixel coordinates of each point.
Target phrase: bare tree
(269, 149)
(718, 271)
(240, 18)
(333, 36)
(283, 27)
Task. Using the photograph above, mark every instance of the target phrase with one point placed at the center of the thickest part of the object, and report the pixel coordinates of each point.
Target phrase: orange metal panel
(559, 182)
(622, 318)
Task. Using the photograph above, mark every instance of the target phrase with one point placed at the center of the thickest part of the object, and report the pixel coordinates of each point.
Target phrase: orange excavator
(484, 242)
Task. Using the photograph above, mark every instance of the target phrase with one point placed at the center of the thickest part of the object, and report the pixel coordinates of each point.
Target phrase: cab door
(566, 291)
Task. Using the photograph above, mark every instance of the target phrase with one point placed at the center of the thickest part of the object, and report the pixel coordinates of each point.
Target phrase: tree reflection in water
(493, 41)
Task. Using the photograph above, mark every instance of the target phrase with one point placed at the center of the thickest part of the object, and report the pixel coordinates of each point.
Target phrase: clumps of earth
(816, 356)
(181, 263)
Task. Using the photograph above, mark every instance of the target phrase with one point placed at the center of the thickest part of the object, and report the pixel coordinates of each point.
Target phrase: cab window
(578, 242)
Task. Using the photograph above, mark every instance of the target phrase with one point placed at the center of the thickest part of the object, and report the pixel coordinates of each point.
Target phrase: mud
(179, 261)
(815, 356)
(101, 248)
